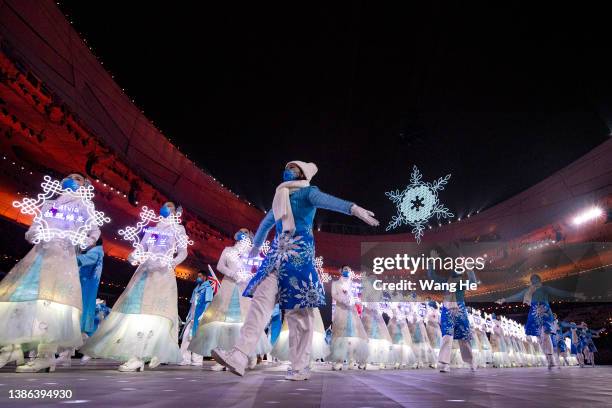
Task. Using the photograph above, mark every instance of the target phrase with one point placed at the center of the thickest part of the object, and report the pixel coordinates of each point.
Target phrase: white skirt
(224, 335)
(379, 351)
(122, 336)
(320, 350)
(350, 349)
(33, 322)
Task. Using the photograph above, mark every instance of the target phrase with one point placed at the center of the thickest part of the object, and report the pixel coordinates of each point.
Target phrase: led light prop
(134, 233)
(587, 215)
(324, 277)
(64, 212)
(417, 203)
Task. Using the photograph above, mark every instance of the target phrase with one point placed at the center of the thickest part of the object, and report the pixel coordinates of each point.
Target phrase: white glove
(364, 215)
(254, 252)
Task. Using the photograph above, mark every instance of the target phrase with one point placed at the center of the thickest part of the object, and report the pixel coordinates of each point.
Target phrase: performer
(40, 298)
(432, 326)
(200, 300)
(540, 318)
(101, 312)
(454, 324)
(143, 325)
(349, 341)
(90, 270)
(221, 323)
(288, 272)
(379, 339)
(498, 344)
(401, 350)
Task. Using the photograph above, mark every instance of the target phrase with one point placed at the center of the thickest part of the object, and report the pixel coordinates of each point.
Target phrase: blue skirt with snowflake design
(540, 317)
(454, 322)
(291, 257)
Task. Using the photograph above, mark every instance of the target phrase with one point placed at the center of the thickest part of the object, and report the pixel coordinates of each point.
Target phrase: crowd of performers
(267, 303)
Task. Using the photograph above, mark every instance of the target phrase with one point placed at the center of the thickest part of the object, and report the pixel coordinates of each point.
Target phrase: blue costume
(200, 299)
(101, 312)
(90, 271)
(540, 315)
(292, 254)
(276, 324)
(454, 320)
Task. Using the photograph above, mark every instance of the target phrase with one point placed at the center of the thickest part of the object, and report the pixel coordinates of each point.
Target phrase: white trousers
(300, 322)
(444, 357)
(545, 342)
(188, 356)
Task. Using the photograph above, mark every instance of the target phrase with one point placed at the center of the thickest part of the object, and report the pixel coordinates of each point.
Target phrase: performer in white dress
(349, 340)
(221, 323)
(40, 298)
(143, 324)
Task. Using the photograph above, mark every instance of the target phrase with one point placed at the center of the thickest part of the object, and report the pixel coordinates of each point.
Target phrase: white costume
(379, 339)
(143, 324)
(221, 323)
(349, 340)
(319, 349)
(40, 298)
(402, 354)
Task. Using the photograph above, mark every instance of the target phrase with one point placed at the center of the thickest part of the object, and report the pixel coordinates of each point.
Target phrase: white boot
(217, 367)
(11, 353)
(337, 367)
(132, 365)
(252, 362)
(235, 360)
(85, 359)
(300, 375)
(444, 368)
(44, 362)
(64, 359)
(154, 363)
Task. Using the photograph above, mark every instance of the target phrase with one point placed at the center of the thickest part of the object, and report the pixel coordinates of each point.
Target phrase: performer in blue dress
(288, 274)
(454, 322)
(200, 299)
(540, 318)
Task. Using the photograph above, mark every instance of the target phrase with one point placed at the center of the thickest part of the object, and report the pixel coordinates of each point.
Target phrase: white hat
(309, 169)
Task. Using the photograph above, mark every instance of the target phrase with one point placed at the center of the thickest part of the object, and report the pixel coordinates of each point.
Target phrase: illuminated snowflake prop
(142, 229)
(324, 277)
(417, 203)
(64, 212)
(240, 254)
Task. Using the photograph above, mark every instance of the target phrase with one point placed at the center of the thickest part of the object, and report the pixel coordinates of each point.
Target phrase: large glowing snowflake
(142, 236)
(49, 215)
(417, 203)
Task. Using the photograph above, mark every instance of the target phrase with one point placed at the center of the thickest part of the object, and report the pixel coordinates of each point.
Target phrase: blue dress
(540, 315)
(276, 324)
(291, 255)
(203, 292)
(454, 320)
(90, 271)
(102, 311)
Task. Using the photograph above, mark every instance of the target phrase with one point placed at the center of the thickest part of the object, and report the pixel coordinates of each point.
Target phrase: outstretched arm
(560, 292)
(262, 232)
(516, 297)
(326, 201)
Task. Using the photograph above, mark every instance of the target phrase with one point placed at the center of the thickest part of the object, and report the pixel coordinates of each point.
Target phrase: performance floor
(99, 385)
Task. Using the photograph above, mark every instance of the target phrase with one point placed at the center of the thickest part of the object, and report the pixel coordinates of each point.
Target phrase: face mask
(290, 175)
(199, 280)
(164, 211)
(70, 184)
(240, 236)
(345, 273)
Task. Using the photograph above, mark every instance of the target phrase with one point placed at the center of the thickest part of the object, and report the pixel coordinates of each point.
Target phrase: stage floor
(99, 385)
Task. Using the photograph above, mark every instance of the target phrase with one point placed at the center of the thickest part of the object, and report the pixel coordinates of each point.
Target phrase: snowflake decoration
(324, 277)
(417, 203)
(133, 234)
(44, 232)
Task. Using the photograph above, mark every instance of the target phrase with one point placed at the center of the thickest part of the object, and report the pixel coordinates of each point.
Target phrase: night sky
(501, 96)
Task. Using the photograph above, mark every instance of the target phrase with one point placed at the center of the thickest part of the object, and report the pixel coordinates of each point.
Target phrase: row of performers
(41, 301)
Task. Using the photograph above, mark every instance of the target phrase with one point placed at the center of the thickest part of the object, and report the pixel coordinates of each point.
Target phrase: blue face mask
(290, 175)
(240, 236)
(199, 280)
(345, 273)
(70, 184)
(164, 211)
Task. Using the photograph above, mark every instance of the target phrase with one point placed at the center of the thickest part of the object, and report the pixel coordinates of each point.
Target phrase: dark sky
(501, 96)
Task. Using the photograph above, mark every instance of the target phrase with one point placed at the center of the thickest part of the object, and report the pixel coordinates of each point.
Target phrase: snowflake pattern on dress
(291, 257)
(540, 317)
(454, 322)
(417, 203)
